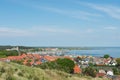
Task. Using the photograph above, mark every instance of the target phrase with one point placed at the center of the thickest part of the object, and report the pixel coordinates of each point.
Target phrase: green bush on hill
(90, 71)
(118, 61)
(64, 64)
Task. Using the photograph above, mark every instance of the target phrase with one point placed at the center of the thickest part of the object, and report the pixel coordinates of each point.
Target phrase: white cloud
(51, 29)
(33, 31)
(6, 31)
(110, 28)
(112, 11)
(78, 14)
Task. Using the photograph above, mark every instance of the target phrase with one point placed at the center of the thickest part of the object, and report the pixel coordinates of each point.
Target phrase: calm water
(114, 52)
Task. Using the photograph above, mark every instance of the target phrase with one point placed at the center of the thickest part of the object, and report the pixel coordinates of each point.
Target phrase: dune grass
(13, 71)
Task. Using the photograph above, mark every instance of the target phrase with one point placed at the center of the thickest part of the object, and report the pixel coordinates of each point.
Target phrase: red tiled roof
(77, 69)
(38, 62)
(50, 58)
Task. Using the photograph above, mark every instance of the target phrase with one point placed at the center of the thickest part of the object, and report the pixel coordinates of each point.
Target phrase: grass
(13, 71)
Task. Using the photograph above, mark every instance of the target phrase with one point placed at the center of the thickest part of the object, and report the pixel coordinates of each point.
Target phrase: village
(103, 65)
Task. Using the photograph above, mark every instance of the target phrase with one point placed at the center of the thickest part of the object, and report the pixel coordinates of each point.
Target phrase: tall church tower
(17, 48)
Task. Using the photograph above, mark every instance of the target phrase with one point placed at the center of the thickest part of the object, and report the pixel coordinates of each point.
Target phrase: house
(38, 63)
(113, 62)
(110, 73)
(102, 71)
(50, 58)
(98, 61)
(100, 75)
(77, 69)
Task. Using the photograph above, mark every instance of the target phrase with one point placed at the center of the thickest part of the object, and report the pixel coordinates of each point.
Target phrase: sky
(79, 23)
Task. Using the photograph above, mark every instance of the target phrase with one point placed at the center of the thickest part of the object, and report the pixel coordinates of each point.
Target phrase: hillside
(12, 71)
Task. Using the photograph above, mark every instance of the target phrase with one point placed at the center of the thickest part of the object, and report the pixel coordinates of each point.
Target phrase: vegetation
(4, 53)
(90, 71)
(64, 64)
(18, 61)
(118, 61)
(106, 56)
(116, 71)
(9, 47)
(13, 71)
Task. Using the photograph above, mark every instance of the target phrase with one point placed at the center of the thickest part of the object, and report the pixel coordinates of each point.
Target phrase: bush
(4, 53)
(35, 78)
(18, 61)
(116, 71)
(89, 71)
(2, 70)
(118, 61)
(10, 77)
(20, 73)
(64, 64)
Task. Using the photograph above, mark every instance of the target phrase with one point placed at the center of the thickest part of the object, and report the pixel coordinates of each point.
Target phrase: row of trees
(4, 53)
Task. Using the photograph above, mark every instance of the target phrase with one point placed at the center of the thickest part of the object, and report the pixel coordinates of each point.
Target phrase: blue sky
(60, 22)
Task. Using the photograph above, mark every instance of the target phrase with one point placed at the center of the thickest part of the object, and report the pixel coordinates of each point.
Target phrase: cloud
(51, 29)
(6, 31)
(33, 31)
(112, 11)
(110, 28)
(77, 14)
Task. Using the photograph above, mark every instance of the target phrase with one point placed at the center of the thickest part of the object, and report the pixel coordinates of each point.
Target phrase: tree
(106, 56)
(116, 71)
(64, 64)
(91, 64)
(4, 53)
(118, 61)
(89, 71)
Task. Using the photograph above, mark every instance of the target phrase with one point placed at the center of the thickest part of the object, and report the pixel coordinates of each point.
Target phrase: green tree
(106, 56)
(118, 61)
(64, 64)
(116, 71)
(4, 53)
(89, 71)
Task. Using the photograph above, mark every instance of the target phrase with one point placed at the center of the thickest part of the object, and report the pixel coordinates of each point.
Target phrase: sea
(97, 51)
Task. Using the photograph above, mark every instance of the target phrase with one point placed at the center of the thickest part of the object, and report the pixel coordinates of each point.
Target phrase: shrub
(18, 61)
(20, 73)
(118, 61)
(116, 71)
(89, 71)
(28, 64)
(10, 77)
(64, 64)
(2, 70)
(35, 78)
(16, 69)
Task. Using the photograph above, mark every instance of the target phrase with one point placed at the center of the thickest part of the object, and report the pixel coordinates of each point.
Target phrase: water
(112, 51)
